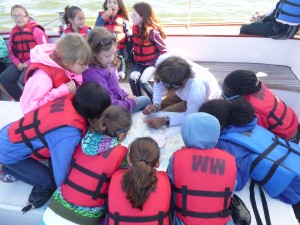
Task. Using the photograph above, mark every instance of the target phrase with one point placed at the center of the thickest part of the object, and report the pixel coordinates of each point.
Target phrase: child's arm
(127, 29)
(99, 21)
(62, 149)
(102, 16)
(38, 91)
(97, 77)
(3, 50)
(158, 41)
(15, 60)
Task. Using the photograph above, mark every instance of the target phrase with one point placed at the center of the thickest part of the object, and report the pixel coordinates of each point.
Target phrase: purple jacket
(108, 79)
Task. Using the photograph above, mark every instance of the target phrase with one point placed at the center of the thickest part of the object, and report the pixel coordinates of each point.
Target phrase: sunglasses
(229, 98)
(107, 41)
(172, 85)
(224, 95)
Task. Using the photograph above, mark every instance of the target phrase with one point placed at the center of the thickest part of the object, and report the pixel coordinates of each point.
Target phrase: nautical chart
(168, 138)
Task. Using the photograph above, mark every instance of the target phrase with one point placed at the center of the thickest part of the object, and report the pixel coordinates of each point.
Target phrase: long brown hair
(140, 179)
(149, 20)
(122, 9)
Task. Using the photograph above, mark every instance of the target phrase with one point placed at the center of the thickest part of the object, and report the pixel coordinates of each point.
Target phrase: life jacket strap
(184, 191)
(35, 126)
(100, 177)
(279, 121)
(117, 218)
(276, 163)
(264, 204)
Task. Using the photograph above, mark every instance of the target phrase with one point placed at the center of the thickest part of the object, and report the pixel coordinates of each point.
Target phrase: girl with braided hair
(134, 193)
(272, 113)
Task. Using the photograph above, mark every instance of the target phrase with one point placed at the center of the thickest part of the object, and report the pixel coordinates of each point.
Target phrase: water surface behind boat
(169, 11)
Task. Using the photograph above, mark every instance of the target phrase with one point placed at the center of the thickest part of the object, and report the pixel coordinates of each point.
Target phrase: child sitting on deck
(115, 19)
(81, 197)
(23, 37)
(56, 70)
(140, 193)
(74, 18)
(272, 113)
(148, 44)
(103, 70)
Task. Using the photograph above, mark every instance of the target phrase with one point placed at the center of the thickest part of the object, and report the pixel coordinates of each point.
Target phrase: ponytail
(140, 179)
(138, 182)
(114, 120)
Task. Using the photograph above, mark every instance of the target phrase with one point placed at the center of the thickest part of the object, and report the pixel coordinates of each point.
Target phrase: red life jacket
(87, 180)
(273, 114)
(23, 41)
(57, 75)
(155, 209)
(115, 25)
(144, 51)
(203, 183)
(82, 31)
(53, 115)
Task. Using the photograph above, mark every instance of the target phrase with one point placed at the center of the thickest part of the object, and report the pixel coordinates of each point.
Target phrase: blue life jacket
(288, 11)
(275, 162)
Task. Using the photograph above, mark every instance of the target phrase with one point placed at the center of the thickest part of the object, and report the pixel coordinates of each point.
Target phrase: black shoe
(296, 209)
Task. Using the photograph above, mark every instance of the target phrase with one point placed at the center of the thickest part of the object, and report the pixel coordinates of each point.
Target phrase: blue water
(169, 11)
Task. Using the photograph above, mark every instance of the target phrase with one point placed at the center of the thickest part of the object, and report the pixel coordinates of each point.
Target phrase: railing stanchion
(189, 14)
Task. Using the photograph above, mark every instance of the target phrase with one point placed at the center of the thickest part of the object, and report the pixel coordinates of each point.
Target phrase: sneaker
(7, 178)
(121, 75)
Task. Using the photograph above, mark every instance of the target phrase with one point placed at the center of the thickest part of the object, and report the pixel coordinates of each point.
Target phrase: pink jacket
(39, 36)
(38, 89)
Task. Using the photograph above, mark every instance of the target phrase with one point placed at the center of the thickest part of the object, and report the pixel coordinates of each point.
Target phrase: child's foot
(121, 75)
(6, 178)
(297, 138)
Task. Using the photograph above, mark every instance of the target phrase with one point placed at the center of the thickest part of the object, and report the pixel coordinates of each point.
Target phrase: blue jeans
(12, 80)
(140, 82)
(31, 172)
(141, 103)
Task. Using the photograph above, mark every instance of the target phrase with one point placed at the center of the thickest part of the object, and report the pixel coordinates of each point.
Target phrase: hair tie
(146, 163)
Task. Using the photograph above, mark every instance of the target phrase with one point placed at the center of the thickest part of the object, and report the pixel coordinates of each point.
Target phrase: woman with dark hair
(272, 113)
(188, 86)
(260, 155)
